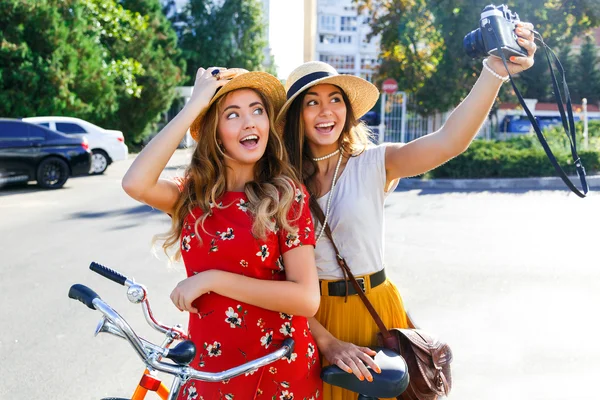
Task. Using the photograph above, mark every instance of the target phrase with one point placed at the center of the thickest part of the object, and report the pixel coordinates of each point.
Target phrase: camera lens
(473, 44)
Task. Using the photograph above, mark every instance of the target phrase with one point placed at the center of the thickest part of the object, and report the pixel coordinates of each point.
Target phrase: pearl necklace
(335, 175)
(327, 156)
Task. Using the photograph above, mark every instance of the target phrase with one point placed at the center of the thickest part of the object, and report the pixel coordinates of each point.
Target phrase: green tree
(587, 76)
(567, 60)
(111, 63)
(229, 34)
(162, 69)
(50, 62)
(405, 26)
(429, 34)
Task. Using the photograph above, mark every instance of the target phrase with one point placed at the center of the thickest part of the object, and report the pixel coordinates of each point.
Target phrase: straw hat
(362, 94)
(262, 82)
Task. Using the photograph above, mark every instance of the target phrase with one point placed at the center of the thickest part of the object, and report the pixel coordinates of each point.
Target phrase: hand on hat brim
(230, 73)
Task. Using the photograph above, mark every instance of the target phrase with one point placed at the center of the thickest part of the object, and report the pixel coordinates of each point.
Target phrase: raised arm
(455, 136)
(142, 181)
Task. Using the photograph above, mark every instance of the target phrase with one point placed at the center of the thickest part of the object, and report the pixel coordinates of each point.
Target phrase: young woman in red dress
(241, 224)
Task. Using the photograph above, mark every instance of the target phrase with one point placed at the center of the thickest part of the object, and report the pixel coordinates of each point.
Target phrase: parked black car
(30, 152)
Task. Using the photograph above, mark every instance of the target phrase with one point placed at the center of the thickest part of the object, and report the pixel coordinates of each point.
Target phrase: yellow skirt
(351, 322)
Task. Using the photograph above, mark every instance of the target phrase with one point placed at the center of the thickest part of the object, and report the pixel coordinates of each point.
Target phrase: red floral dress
(227, 332)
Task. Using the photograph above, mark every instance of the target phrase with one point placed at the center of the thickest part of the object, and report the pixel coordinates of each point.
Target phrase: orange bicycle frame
(152, 384)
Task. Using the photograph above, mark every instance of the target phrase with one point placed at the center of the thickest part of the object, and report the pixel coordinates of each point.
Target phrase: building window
(367, 75)
(327, 22)
(348, 24)
(334, 39)
(368, 63)
(344, 64)
(368, 68)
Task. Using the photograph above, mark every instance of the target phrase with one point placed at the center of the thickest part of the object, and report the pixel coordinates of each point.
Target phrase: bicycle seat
(391, 382)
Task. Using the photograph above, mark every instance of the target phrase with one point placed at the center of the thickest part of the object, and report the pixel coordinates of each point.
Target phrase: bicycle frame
(152, 354)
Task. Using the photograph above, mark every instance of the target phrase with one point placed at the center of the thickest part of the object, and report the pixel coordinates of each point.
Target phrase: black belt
(338, 288)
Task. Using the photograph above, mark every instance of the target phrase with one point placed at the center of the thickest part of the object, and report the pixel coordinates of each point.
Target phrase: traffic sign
(389, 86)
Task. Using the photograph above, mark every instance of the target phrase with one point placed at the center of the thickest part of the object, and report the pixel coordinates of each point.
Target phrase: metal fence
(401, 123)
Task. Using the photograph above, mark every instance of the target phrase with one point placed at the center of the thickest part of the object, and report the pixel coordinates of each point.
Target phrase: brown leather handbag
(428, 362)
(427, 358)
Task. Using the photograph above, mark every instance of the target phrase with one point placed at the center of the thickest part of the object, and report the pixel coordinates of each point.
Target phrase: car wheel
(99, 162)
(52, 173)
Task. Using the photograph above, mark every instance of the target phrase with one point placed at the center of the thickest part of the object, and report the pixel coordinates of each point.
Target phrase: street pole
(381, 135)
(585, 124)
(403, 126)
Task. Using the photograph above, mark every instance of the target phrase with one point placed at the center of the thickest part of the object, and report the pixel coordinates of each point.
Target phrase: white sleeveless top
(355, 217)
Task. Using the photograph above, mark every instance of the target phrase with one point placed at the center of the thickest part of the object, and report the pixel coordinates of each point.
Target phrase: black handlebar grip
(84, 294)
(290, 343)
(108, 273)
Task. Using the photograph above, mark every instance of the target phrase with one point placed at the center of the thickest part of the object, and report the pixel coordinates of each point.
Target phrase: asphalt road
(510, 279)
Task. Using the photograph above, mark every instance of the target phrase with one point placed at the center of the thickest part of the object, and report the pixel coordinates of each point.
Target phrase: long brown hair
(270, 194)
(354, 139)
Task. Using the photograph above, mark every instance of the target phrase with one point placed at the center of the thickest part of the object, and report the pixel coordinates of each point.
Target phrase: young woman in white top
(350, 181)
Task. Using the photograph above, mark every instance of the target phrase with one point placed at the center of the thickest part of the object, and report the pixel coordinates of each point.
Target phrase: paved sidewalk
(546, 183)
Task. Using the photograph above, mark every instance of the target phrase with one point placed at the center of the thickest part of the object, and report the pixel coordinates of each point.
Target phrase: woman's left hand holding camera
(526, 40)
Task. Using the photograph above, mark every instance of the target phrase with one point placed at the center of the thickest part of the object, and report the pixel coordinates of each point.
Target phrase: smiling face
(324, 116)
(243, 127)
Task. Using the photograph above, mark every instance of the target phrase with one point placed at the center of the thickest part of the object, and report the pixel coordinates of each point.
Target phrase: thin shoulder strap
(316, 209)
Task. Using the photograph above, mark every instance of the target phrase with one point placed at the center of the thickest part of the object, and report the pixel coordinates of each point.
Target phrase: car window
(13, 130)
(37, 133)
(46, 124)
(69, 128)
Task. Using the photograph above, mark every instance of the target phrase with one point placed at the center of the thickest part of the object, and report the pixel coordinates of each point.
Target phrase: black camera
(496, 29)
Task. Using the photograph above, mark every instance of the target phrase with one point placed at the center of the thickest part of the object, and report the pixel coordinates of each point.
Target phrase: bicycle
(151, 354)
(390, 383)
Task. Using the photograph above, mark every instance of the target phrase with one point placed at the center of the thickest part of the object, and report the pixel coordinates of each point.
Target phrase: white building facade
(268, 62)
(341, 39)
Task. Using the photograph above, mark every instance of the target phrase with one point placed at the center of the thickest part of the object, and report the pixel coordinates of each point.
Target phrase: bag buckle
(361, 283)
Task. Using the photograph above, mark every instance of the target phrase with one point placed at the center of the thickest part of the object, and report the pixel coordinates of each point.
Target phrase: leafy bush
(558, 139)
(516, 158)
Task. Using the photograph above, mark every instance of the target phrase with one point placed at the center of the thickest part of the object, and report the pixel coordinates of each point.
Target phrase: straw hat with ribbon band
(362, 94)
(262, 82)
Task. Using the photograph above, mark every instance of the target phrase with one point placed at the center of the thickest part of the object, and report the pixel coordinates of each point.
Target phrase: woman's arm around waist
(298, 295)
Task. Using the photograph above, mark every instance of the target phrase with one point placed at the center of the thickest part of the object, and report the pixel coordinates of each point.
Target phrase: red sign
(389, 86)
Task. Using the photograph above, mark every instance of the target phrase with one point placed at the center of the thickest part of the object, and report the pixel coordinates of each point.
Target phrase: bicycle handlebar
(137, 293)
(108, 273)
(149, 353)
(84, 294)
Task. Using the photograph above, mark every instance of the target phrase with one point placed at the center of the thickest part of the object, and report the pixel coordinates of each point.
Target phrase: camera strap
(567, 120)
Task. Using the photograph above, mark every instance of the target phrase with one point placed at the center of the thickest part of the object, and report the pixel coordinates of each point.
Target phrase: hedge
(522, 156)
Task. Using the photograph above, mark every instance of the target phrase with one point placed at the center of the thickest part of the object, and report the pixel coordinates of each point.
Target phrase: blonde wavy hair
(270, 195)
(354, 139)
